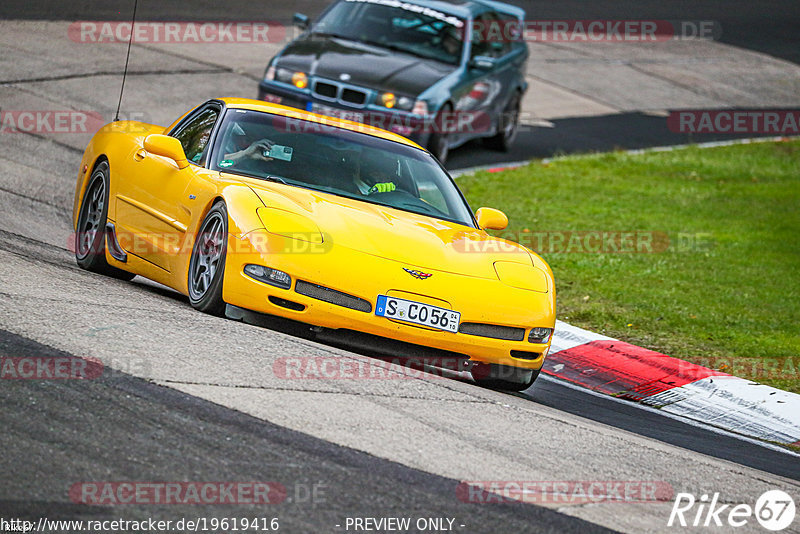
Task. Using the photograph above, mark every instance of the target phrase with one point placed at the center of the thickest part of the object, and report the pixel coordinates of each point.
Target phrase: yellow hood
(414, 240)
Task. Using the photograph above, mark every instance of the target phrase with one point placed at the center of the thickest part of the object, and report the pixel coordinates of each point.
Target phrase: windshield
(399, 26)
(338, 161)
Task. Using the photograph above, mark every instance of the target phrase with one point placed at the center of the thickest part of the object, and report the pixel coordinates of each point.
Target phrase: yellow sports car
(247, 207)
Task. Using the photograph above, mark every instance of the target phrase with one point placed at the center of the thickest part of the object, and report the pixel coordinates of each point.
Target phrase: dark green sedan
(440, 73)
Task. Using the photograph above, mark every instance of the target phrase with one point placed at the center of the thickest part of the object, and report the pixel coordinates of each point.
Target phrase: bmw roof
(464, 8)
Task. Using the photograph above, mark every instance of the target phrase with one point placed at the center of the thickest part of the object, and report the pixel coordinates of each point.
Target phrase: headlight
(269, 276)
(297, 78)
(392, 101)
(540, 335)
(388, 100)
(300, 80)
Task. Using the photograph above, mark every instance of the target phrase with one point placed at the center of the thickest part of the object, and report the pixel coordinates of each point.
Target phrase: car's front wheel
(505, 377)
(207, 264)
(90, 234)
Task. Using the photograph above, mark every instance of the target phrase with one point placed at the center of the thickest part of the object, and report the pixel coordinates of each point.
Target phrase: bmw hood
(368, 66)
(414, 240)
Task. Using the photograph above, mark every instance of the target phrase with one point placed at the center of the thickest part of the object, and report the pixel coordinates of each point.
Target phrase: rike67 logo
(774, 510)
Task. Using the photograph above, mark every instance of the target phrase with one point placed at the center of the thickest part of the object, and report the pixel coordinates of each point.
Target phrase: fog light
(268, 276)
(540, 335)
(300, 80)
(388, 100)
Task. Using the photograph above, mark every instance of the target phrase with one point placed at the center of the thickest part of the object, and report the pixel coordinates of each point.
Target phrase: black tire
(505, 377)
(90, 235)
(438, 143)
(207, 264)
(508, 126)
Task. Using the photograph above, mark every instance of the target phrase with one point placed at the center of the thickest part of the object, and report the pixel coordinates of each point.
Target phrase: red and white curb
(674, 386)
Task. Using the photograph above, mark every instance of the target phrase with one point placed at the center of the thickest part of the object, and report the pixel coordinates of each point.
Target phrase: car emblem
(418, 274)
(344, 77)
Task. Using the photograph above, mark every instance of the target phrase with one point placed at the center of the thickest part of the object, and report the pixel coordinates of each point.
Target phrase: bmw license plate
(338, 113)
(417, 313)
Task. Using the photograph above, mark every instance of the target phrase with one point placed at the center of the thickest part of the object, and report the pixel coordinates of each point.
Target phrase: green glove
(384, 187)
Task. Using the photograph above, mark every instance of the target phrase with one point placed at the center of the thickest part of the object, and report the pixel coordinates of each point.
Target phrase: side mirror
(491, 219)
(301, 21)
(169, 147)
(482, 63)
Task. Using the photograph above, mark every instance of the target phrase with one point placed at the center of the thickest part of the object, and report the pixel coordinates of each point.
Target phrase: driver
(242, 146)
(451, 41)
(370, 178)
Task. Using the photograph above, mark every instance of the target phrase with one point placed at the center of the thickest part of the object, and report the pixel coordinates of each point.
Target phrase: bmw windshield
(398, 26)
(326, 158)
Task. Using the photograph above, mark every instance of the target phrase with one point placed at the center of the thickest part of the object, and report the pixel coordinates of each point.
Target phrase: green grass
(724, 291)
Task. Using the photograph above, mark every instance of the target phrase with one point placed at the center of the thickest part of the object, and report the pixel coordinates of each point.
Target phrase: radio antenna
(127, 58)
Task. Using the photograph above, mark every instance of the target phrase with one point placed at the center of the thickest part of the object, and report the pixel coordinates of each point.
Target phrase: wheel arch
(83, 182)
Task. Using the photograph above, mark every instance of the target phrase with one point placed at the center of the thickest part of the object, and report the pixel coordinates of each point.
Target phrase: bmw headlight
(393, 101)
(297, 78)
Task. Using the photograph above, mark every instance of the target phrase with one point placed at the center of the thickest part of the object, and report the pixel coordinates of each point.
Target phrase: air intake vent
(352, 96)
(326, 90)
(508, 333)
(525, 355)
(332, 296)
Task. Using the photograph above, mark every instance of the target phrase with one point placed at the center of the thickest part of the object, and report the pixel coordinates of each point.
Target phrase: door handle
(140, 154)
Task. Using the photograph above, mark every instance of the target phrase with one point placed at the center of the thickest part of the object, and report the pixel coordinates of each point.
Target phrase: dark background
(771, 26)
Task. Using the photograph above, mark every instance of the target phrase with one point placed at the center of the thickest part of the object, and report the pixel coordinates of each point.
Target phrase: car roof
(470, 8)
(286, 111)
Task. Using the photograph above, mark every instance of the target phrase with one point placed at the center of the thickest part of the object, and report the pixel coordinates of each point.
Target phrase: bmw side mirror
(301, 21)
(482, 63)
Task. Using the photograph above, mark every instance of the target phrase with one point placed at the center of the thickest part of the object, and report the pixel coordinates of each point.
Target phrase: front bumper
(363, 276)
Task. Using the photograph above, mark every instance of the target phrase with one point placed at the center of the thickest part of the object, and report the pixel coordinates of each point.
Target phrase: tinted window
(490, 36)
(341, 162)
(398, 26)
(194, 135)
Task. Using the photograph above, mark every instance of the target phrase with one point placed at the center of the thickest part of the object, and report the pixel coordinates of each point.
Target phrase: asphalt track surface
(768, 26)
(172, 436)
(122, 427)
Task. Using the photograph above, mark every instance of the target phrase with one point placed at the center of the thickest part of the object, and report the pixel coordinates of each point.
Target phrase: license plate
(339, 113)
(417, 313)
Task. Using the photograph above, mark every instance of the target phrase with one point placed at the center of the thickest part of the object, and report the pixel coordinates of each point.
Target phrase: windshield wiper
(396, 48)
(272, 178)
(333, 34)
